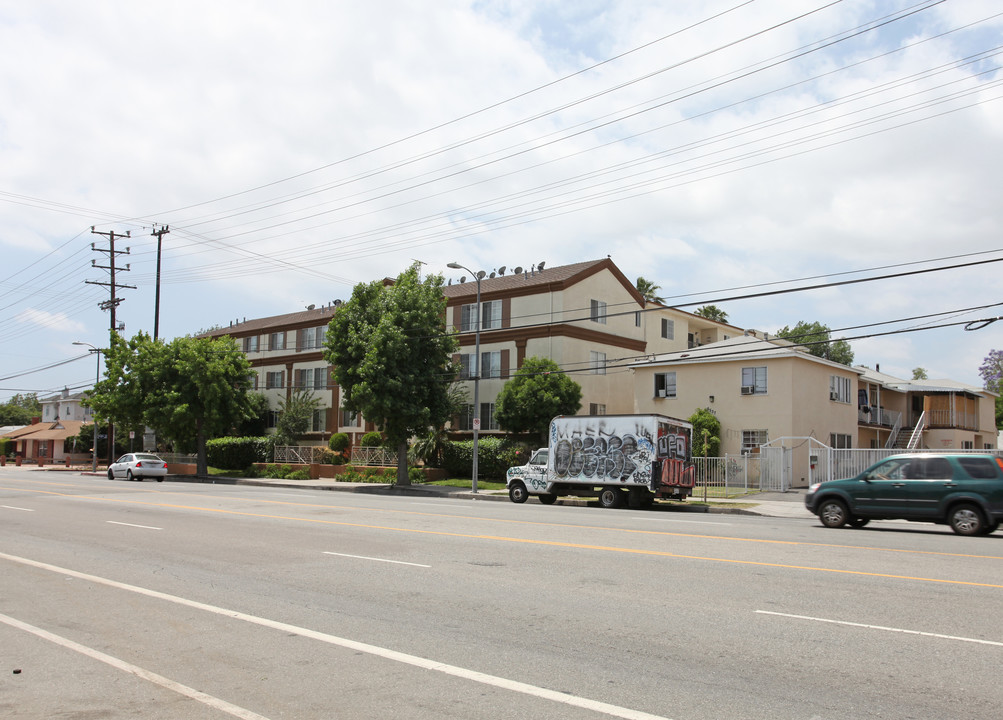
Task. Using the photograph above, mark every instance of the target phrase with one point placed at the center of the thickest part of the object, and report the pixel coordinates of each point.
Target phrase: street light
(97, 379)
(477, 361)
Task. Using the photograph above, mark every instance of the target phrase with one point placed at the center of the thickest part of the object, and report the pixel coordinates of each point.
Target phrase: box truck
(615, 458)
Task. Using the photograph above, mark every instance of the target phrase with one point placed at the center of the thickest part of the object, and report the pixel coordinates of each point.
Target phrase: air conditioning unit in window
(833, 395)
(748, 389)
(660, 393)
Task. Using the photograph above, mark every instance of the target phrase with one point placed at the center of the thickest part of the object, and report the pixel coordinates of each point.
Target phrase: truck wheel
(548, 498)
(610, 497)
(966, 519)
(833, 513)
(517, 492)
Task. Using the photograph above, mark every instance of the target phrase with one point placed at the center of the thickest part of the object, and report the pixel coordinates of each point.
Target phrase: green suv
(964, 491)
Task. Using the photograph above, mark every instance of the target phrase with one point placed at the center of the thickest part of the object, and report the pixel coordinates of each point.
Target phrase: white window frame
(251, 344)
(753, 439)
(318, 422)
(668, 329)
(275, 380)
(840, 441)
(277, 341)
(755, 377)
(665, 384)
(597, 311)
(491, 316)
(488, 422)
(597, 362)
(348, 418)
(597, 409)
(839, 389)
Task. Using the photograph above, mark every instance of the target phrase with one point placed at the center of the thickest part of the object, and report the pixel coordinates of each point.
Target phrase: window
(597, 409)
(320, 378)
(754, 381)
(637, 319)
(597, 312)
(302, 380)
(668, 329)
(251, 344)
(488, 421)
(665, 385)
(349, 418)
(752, 439)
(981, 468)
(597, 361)
(319, 420)
(311, 338)
(491, 362)
(275, 380)
(840, 441)
(253, 379)
(277, 341)
(967, 445)
(692, 340)
(839, 389)
(491, 316)
(273, 418)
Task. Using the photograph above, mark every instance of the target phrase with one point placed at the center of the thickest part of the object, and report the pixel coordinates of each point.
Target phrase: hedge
(494, 457)
(235, 453)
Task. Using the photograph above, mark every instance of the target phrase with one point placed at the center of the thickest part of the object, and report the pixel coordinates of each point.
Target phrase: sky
(720, 149)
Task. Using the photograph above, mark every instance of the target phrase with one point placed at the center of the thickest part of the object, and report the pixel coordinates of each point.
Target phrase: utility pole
(110, 304)
(156, 305)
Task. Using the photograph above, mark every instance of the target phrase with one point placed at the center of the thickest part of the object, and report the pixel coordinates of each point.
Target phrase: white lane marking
(882, 628)
(145, 527)
(385, 653)
(363, 557)
(152, 677)
(11, 507)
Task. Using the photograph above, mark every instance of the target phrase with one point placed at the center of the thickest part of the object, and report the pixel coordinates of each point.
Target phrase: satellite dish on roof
(480, 274)
(337, 303)
(463, 279)
(501, 270)
(540, 266)
(517, 270)
(491, 275)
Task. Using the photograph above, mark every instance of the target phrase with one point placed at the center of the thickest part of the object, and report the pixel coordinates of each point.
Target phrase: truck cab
(533, 474)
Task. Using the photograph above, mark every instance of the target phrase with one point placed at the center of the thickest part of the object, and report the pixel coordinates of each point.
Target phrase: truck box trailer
(615, 458)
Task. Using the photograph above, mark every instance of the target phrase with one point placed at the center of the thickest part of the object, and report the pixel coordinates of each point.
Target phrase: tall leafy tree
(539, 392)
(189, 389)
(648, 290)
(392, 357)
(20, 409)
(706, 433)
(919, 373)
(992, 376)
(817, 338)
(712, 312)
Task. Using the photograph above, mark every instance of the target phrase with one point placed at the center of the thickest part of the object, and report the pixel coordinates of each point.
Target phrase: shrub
(231, 453)
(494, 457)
(339, 442)
(300, 474)
(371, 439)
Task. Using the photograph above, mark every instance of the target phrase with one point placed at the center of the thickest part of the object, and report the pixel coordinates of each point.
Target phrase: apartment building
(65, 406)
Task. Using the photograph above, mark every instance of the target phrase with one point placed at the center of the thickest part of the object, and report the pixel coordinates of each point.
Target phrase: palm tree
(649, 290)
(712, 312)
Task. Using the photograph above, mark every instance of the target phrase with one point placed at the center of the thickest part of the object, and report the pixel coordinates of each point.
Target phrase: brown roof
(59, 430)
(526, 282)
(531, 280)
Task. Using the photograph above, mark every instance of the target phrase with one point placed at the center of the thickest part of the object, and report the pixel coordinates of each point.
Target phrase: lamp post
(97, 379)
(477, 360)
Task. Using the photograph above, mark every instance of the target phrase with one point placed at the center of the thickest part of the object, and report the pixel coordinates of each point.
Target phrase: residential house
(761, 390)
(47, 441)
(936, 414)
(65, 406)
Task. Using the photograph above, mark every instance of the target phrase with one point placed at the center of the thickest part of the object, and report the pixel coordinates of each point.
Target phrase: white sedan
(136, 466)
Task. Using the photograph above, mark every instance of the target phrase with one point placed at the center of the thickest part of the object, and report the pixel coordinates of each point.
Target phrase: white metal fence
(374, 456)
(726, 476)
(301, 454)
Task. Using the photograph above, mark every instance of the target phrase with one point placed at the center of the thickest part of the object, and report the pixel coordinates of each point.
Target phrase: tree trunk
(402, 477)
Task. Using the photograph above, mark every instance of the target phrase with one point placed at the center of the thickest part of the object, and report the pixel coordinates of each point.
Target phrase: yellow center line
(528, 541)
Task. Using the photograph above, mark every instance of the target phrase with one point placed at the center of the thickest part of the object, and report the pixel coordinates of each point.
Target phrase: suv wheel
(833, 513)
(966, 519)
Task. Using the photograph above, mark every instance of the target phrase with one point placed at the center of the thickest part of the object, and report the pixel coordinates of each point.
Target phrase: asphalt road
(178, 600)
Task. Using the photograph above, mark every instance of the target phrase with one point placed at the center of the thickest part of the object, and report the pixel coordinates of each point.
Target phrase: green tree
(712, 312)
(20, 409)
(706, 433)
(537, 394)
(392, 357)
(818, 339)
(189, 389)
(919, 374)
(648, 290)
(257, 424)
(992, 376)
(295, 415)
